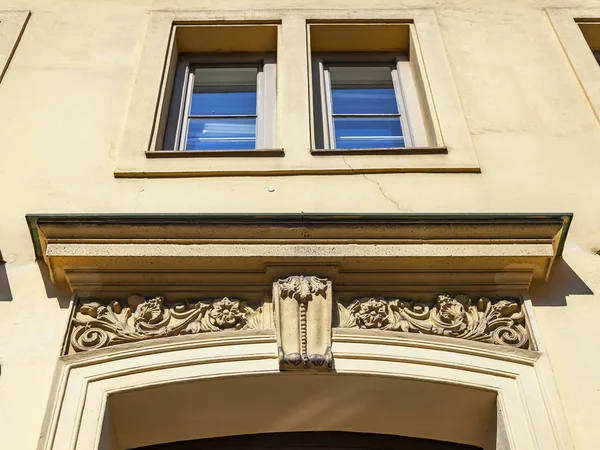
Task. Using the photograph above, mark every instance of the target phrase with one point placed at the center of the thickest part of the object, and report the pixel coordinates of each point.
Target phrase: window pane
(221, 134)
(371, 132)
(362, 90)
(224, 91)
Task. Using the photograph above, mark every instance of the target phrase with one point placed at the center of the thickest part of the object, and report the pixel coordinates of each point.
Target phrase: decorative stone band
(96, 325)
(303, 320)
(501, 322)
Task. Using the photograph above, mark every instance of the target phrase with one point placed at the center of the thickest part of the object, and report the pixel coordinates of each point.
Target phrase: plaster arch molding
(302, 323)
(189, 388)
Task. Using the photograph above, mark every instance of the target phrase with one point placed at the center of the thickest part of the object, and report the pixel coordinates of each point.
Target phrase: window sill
(212, 153)
(297, 161)
(382, 151)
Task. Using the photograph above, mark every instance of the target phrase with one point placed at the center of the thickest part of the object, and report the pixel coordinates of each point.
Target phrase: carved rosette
(501, 322)
(303, 307)
(97, 326)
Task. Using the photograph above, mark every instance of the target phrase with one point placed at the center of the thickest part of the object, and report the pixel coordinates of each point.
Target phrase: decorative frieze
(303, 307)
(96, 325)
(501, 322)
(303, 314)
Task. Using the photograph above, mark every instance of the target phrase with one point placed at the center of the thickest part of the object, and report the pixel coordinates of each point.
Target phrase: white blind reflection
(221, 134)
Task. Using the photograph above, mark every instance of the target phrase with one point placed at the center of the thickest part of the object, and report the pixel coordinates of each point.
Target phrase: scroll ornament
(97, 326)
(459, 316)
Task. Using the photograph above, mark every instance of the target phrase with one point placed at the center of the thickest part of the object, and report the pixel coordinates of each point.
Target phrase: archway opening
(334, 410)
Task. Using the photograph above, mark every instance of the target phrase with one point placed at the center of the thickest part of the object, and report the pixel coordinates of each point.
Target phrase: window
(365, 106)
(222, 102)
(591, 33)
(290, 120)
(578, 30)
(367, 101)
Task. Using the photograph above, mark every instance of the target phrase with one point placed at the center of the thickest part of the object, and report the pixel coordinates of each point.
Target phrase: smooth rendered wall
(64, 98)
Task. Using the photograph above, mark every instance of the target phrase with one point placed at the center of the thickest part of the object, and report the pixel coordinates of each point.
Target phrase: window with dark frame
(222, 102)
(590, 28)
(365, 107)
(361, 101)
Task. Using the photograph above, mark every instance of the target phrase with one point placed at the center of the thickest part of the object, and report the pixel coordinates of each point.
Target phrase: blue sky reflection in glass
(364, 107)
(222, 113)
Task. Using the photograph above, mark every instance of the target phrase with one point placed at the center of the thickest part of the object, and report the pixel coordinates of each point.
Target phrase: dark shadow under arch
(321, 440)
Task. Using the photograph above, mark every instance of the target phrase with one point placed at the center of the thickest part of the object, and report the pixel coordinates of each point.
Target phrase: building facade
(376, 221)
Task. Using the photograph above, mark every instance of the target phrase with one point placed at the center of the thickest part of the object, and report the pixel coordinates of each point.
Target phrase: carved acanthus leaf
(501, 322)
(302, 288)
(96, 325)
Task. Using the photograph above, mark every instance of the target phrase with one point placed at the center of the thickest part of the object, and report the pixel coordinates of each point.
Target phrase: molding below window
(12, 24)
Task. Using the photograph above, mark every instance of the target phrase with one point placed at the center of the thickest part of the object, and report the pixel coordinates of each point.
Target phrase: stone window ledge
(382, 151)
(258, 153)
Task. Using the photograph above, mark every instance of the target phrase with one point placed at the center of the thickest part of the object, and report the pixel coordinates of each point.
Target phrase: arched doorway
(229, 383)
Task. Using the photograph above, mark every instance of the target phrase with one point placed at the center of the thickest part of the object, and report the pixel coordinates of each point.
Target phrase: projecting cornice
(208, 254)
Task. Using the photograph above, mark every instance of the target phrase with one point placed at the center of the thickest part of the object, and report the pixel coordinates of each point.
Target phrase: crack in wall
(381, 190)
(387, 197)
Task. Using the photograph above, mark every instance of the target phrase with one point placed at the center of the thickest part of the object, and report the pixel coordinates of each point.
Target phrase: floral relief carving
(96, 325)
(302, 288)
(501, 322)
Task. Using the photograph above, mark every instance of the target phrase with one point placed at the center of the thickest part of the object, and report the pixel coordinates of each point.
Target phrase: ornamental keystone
(303, 306)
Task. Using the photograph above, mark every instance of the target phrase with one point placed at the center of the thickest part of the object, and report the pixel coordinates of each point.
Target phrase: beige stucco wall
(64, 100)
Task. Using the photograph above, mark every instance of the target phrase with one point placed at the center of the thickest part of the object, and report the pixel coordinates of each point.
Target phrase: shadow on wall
(63, 296)
(563, 281)
(5, 292)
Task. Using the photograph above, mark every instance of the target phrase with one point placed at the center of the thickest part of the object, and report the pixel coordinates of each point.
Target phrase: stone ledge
(112, 254)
